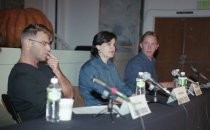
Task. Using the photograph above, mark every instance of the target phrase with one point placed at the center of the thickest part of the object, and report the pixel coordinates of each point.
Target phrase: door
(184, 42)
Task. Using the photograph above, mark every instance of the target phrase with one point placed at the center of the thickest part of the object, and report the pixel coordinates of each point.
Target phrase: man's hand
(65, 84)
(53, 62)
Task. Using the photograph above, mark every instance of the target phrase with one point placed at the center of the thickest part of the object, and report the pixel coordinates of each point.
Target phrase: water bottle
(182, 79)
(175, 73)
(140, 84)
(53, 99)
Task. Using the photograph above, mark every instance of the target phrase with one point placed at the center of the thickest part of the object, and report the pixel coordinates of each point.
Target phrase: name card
(196, 89)
(180, 95)
(138, 106)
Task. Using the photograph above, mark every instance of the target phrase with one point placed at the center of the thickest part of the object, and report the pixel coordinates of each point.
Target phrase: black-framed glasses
(43, 42)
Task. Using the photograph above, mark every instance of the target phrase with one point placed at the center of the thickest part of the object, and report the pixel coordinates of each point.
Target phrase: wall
(81, 21)
(169, 8)
(77, 22)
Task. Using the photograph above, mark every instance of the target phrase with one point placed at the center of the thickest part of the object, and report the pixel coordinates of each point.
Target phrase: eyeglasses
(43, 42)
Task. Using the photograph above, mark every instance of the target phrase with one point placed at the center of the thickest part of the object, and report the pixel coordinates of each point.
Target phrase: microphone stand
(154, 86)
(155, 98)
(110, 109)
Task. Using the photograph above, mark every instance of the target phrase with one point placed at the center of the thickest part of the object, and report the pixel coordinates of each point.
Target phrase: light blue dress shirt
(92, 92)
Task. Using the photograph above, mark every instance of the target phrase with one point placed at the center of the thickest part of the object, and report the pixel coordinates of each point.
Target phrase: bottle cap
(141, 73)
(182, 73)
(177, 70)
(54, 80)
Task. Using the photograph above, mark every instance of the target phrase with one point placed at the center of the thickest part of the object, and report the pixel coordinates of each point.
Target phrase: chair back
(10, 108)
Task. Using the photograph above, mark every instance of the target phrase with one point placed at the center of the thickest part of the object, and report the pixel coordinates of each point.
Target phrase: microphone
(147, 77)
(183, 60)
(105, 94)
(113, 90)
(190, 80)
(204, 77)
(175, 73)
(193, 69)
(198, 73)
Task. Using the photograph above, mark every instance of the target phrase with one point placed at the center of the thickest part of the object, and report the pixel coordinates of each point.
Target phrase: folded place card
(179, 94)
(196, 89)
(137, 107)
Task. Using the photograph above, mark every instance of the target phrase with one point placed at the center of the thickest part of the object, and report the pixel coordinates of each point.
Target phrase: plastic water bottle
(175, 74)
(53, 99)
(140, 84)
(182, 79)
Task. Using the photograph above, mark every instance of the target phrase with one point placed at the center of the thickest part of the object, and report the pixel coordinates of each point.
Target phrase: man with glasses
(29, 77)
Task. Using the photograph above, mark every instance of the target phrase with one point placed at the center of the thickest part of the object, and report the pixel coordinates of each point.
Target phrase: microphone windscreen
(193, 69)
(146, 76)
(105, 94)
(151, 87)
(175, 72)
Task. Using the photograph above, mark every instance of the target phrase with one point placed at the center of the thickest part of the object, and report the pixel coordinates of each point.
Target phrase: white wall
(78, 20)
(168, 8)
(81, 21)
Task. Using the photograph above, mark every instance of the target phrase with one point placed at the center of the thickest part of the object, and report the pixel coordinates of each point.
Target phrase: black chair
(10, 108)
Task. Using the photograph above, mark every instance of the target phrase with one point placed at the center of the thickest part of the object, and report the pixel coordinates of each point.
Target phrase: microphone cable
(182, 106)
(141, 119)
(186, 114)
(142, 123)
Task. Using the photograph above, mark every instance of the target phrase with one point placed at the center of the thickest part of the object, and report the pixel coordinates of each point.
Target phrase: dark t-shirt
(27, 89)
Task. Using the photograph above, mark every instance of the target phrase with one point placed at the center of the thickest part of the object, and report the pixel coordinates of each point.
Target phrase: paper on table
(94, 109)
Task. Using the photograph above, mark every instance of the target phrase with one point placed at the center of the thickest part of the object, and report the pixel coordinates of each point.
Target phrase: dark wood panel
(183, 36)
(198, 43)
(170, 34)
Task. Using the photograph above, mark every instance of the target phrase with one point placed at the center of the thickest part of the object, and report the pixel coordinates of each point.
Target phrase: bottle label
(54, 95)
(140, 83)
(182, 81)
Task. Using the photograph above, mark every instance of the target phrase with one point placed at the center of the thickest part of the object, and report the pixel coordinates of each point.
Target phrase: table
(194, 115)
